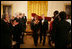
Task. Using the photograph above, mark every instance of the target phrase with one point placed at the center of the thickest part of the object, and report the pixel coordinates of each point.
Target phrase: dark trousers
(18, 40)
(49, 38)
(22, 39)
(35, 38)
(44, 37)
(40, 37)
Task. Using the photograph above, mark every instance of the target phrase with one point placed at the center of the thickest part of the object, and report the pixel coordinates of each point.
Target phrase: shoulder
(69, 21)
(65, 22)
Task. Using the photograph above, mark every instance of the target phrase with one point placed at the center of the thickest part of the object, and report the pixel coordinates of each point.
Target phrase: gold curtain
(38, 7)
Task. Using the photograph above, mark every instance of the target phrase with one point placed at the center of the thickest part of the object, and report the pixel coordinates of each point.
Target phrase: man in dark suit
(35, 28)
(43, 29)
(23, 20)
(5, 33)
(54, 24)
(61, 31)
(17, 30)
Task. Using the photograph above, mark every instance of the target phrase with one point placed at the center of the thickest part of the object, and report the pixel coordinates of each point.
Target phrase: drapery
(38, 7)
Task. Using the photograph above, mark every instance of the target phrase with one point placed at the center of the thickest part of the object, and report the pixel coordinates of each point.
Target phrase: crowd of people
(60, 30)
(12, 30)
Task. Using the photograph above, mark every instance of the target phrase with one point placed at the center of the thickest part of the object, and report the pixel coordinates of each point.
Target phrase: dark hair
(56, 12)
(62, 15)
(20, 13)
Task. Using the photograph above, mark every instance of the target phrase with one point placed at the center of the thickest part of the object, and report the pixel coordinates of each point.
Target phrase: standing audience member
(23, 21)
(17, 30)
(61, 31)
(43, 30)
(5, 33)
(35, 28)
(53, 25)
(69, 36)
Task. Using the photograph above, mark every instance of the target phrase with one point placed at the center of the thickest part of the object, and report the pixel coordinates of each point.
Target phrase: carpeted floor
(29, 43)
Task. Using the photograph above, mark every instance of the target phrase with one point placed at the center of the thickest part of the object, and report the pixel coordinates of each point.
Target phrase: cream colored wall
(56, 5)
(21, 6)
(17, 6)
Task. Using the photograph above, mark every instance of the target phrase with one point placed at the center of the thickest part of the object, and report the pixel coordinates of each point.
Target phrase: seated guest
(5, 33)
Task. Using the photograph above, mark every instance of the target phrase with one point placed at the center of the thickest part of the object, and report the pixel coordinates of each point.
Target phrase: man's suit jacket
(5, 35)
(44, 26)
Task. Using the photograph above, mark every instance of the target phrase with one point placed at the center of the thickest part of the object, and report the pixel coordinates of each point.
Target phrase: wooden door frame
(8, 5)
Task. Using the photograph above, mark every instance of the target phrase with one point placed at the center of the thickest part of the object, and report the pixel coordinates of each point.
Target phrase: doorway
(7, 9)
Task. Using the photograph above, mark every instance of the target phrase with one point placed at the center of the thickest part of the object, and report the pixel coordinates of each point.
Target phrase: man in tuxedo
(43, 29)
(5, 33)
(23, 20)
